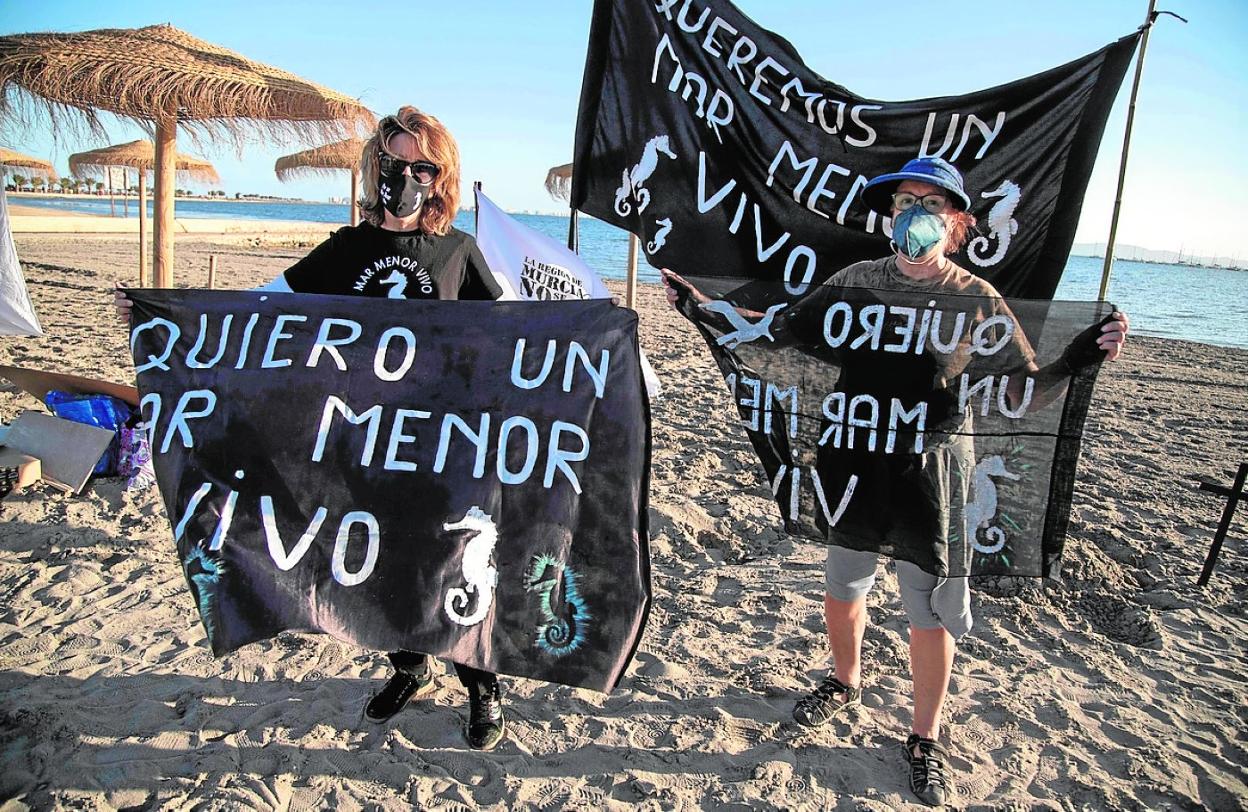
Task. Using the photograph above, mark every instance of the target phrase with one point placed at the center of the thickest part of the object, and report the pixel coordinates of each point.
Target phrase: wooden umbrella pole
(162, 254)
(355, 197)
(630, 292)
(143, 228)
(112, 205)
(1126, 147)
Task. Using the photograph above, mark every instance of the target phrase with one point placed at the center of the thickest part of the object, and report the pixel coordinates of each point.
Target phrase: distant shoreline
(1208, 266)
(135, 197)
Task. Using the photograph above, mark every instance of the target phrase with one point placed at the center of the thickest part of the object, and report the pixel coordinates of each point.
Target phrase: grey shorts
(930, 601)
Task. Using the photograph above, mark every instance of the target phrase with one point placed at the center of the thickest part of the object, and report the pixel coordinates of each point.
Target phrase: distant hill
(1138, 254)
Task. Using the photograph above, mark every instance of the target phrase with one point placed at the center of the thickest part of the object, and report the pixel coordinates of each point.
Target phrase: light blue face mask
(916, 231)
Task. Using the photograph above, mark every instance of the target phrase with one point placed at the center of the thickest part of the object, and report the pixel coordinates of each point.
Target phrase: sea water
(1209, 305)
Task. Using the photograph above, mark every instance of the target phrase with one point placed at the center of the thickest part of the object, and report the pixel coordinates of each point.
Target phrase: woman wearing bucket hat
(928, 206)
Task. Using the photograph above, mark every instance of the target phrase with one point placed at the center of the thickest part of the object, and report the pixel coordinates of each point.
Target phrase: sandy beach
(38, 220)
(1122, 687)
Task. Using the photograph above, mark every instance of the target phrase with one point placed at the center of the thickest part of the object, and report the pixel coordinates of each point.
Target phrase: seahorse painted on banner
(204, 574)
(660, 236)
(564, 618)
(400, 284)
(479, 572)
(1001, 225)
(634, 178)
(982, 508)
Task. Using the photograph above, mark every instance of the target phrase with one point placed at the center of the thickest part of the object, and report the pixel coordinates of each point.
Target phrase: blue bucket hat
(878, 193)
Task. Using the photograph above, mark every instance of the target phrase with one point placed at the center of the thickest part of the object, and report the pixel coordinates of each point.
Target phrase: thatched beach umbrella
(162, 77)
(140, 155)
(325, 160)
(16, 160)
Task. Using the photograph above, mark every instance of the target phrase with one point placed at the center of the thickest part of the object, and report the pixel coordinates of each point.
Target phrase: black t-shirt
(365, 260)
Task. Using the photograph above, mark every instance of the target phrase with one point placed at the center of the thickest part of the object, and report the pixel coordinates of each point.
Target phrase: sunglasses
(422, 171)
(934, 203)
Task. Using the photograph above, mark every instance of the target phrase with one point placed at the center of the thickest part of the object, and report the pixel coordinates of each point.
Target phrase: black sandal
(830, 698)
(929, 775)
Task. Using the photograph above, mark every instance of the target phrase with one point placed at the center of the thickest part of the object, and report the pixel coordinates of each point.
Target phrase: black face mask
(402, 195)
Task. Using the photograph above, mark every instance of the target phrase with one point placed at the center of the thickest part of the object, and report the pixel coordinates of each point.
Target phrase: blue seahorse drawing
(203, 572)
(564, 617)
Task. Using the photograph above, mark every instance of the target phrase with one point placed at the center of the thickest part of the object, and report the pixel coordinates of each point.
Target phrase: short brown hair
(958, 226)
(436, 144)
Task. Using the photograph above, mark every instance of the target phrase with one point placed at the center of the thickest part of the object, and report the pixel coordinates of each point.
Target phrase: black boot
(486, 725)
(402, 687)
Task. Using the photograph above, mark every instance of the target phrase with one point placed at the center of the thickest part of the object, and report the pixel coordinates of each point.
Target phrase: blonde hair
(436, 144)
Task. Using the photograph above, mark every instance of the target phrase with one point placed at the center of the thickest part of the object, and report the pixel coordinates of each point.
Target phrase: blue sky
(505, 77)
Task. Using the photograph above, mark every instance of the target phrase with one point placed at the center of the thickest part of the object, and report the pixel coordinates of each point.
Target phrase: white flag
(530, 265)
(17, 314)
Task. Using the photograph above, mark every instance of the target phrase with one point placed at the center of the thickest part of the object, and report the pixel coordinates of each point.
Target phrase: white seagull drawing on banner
(745, 331)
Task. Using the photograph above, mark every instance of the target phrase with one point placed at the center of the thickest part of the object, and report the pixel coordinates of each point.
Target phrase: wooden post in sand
(212, 271)
(143, 277)
(630, 291)
(355, 196)
(1126, 147)
(162, 250)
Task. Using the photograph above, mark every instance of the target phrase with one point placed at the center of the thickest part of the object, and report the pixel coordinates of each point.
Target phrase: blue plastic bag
(104, 411)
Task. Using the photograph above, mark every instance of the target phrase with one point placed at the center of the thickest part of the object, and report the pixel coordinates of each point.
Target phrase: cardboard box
(38, 382)
(58, 451)
(65, 451)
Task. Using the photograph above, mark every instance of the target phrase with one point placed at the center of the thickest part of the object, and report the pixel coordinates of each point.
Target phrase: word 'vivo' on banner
(935, 427)
(466, 479)
(708, 137)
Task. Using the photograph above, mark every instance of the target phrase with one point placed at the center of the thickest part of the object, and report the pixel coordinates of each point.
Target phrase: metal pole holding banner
(630, 291)
(476, 209)
(574, 232)
(1126, 147)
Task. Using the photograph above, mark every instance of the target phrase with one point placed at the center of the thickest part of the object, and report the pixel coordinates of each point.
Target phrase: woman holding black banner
(920, 507)
(406, 248)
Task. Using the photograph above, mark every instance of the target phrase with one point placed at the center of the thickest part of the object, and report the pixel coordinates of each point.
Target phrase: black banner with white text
(464, 479)
(932, 422)
(709, 138)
